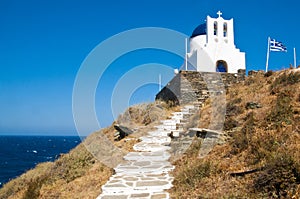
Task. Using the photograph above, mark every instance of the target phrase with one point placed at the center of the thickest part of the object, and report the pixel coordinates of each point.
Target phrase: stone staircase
(145, 172)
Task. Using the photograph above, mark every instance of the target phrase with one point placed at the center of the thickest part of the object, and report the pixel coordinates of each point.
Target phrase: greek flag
(277, 46)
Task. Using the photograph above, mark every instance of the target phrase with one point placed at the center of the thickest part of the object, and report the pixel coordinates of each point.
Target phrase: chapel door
(221, 66)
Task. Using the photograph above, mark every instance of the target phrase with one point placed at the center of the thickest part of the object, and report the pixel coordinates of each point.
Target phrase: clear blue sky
(43, 43)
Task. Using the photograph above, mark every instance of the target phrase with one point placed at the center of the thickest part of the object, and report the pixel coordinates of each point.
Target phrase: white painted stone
(164, 140)
(151, 147)
(138, 184)
(169, 122)
(189, 106)
(159, 133)
(177, 113)
(175, 133)
(151, 156)
(170, 128)
(145, 172)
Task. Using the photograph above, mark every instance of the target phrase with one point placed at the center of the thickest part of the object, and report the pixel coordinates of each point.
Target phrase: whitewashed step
(177, 114)
(163, 140)
(168, 122)
(139, 195)
(137, 183)
(149, 156)
(144, 167)
(169, 128)
(159, 133)
(150, 147)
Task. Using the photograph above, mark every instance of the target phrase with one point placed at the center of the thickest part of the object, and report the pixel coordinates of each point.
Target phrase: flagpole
(186, 54)
(295, 61)
(268, 55)
(159, 82)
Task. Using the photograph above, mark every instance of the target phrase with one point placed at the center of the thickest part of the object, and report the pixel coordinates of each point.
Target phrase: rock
(123, 131)
(171, 135)
(269, 73)
(252, 72)
(117, 134)
(242, 71)
(253, 105)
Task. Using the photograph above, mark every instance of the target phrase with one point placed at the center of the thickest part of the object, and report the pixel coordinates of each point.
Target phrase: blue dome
(200, 30)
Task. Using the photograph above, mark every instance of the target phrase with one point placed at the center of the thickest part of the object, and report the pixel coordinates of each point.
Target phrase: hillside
(80, 174)
(261, 155)
(258, 158)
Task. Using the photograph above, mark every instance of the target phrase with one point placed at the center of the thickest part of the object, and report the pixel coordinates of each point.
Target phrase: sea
(21, 153)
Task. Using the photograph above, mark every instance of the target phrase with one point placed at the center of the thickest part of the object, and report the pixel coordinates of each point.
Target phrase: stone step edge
(133, 195)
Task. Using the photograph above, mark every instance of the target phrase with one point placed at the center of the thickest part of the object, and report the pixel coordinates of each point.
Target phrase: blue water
(21, 153)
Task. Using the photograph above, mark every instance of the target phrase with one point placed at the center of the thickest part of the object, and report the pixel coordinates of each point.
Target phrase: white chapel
(212, 48)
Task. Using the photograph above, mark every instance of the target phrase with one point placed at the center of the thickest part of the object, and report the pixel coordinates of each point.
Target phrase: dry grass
(79, 173)
(266, 139)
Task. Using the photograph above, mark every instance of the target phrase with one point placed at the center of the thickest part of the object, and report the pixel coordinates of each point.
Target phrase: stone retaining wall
(193, 86)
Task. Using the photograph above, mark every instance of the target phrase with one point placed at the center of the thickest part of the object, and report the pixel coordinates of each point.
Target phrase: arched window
(215, 28)
(221, 66)
(225, 29)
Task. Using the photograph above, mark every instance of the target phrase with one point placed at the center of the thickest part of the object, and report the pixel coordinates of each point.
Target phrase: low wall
(193, 86)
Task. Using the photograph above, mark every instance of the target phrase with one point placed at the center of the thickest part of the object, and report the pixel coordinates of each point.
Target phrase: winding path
(145, 173)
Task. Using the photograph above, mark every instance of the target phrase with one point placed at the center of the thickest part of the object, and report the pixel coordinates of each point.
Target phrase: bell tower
(212, 47)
